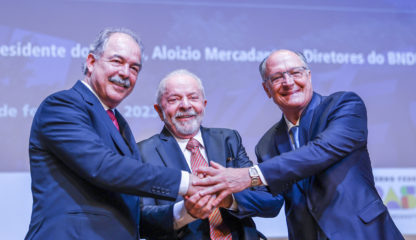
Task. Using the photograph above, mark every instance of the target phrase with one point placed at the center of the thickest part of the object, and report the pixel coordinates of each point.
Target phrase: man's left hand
(223, 181)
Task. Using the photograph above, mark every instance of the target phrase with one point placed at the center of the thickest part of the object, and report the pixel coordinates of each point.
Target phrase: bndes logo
(403, 197)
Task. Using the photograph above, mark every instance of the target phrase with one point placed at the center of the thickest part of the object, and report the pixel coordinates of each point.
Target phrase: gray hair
(162, 85)
(98, 46)
(262, 66)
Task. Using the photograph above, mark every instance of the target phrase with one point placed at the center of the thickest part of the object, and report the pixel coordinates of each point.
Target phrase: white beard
(188, 127)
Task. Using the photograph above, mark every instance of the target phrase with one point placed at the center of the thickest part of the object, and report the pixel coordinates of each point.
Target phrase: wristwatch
(254, 175)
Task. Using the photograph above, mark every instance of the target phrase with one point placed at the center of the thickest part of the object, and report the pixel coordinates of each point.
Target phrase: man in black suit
(181, 104)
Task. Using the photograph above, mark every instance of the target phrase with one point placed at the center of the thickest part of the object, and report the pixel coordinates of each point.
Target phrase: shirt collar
(290, 124)
(184, 141)
(92, 90)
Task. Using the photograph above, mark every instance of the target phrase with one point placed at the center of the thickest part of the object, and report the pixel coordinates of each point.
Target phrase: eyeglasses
(294, 73)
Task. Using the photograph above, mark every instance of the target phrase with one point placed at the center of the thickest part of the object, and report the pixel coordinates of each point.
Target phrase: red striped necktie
(217, 229)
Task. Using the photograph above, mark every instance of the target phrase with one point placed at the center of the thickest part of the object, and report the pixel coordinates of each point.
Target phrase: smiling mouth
(290, 93)
(185, 117)
(120, 85)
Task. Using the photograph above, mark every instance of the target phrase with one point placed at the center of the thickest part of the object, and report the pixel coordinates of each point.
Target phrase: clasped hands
(212, 187)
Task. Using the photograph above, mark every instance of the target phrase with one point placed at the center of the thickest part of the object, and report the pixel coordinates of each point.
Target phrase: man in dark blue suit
(84, 162)
(181, 105)
(315, 157)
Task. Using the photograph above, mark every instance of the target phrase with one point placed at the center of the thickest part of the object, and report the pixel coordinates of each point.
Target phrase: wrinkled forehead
(283, 61)
(123, 45)
(182, 84)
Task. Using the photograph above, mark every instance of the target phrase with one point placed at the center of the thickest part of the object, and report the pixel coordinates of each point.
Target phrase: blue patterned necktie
(295, 135)
(295, 145)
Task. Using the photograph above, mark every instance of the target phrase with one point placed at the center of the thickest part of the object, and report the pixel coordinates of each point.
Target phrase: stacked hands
(211, 187)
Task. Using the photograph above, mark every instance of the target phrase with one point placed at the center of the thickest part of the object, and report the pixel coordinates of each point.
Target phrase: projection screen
(368, 47)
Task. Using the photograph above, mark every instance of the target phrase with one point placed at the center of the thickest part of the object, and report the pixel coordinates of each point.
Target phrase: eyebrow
(139, 65)
(121, 57)
(274, 74)
(280, 72)
(181, 95)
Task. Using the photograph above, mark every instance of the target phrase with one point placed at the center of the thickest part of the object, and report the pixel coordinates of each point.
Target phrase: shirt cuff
(263, 180)
(184, 185)
(234, 205)
(181, 217)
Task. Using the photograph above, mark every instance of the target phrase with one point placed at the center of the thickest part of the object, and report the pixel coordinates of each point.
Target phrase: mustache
(190, 112)
(123, 82)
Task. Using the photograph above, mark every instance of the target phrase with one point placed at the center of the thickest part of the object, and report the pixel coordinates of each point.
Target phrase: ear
(159, 111)
(310, 75)
(205, 103)
(266, 89)
(90, 62)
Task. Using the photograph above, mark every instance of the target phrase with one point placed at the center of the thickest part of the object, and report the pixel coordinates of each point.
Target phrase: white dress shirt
(180, 216)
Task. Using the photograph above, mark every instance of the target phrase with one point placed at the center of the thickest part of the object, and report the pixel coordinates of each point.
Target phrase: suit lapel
(170, 152)
(305, 133)
(306, 119)
(118, 140)
(282, 138)
(102, 115)
(214, 146)
(126, 133)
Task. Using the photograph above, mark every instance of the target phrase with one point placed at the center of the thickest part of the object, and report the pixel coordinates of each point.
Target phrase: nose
(185, 104)
(288, 80)
(124, 70)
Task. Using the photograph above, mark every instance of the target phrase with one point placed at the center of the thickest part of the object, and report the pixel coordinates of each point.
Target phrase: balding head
(262, 66)
(287, 79)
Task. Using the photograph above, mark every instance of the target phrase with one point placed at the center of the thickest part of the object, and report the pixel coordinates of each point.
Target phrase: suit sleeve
(255, 201)
(156, 219)
(66, 129)
(156, 216)
(344, 131)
